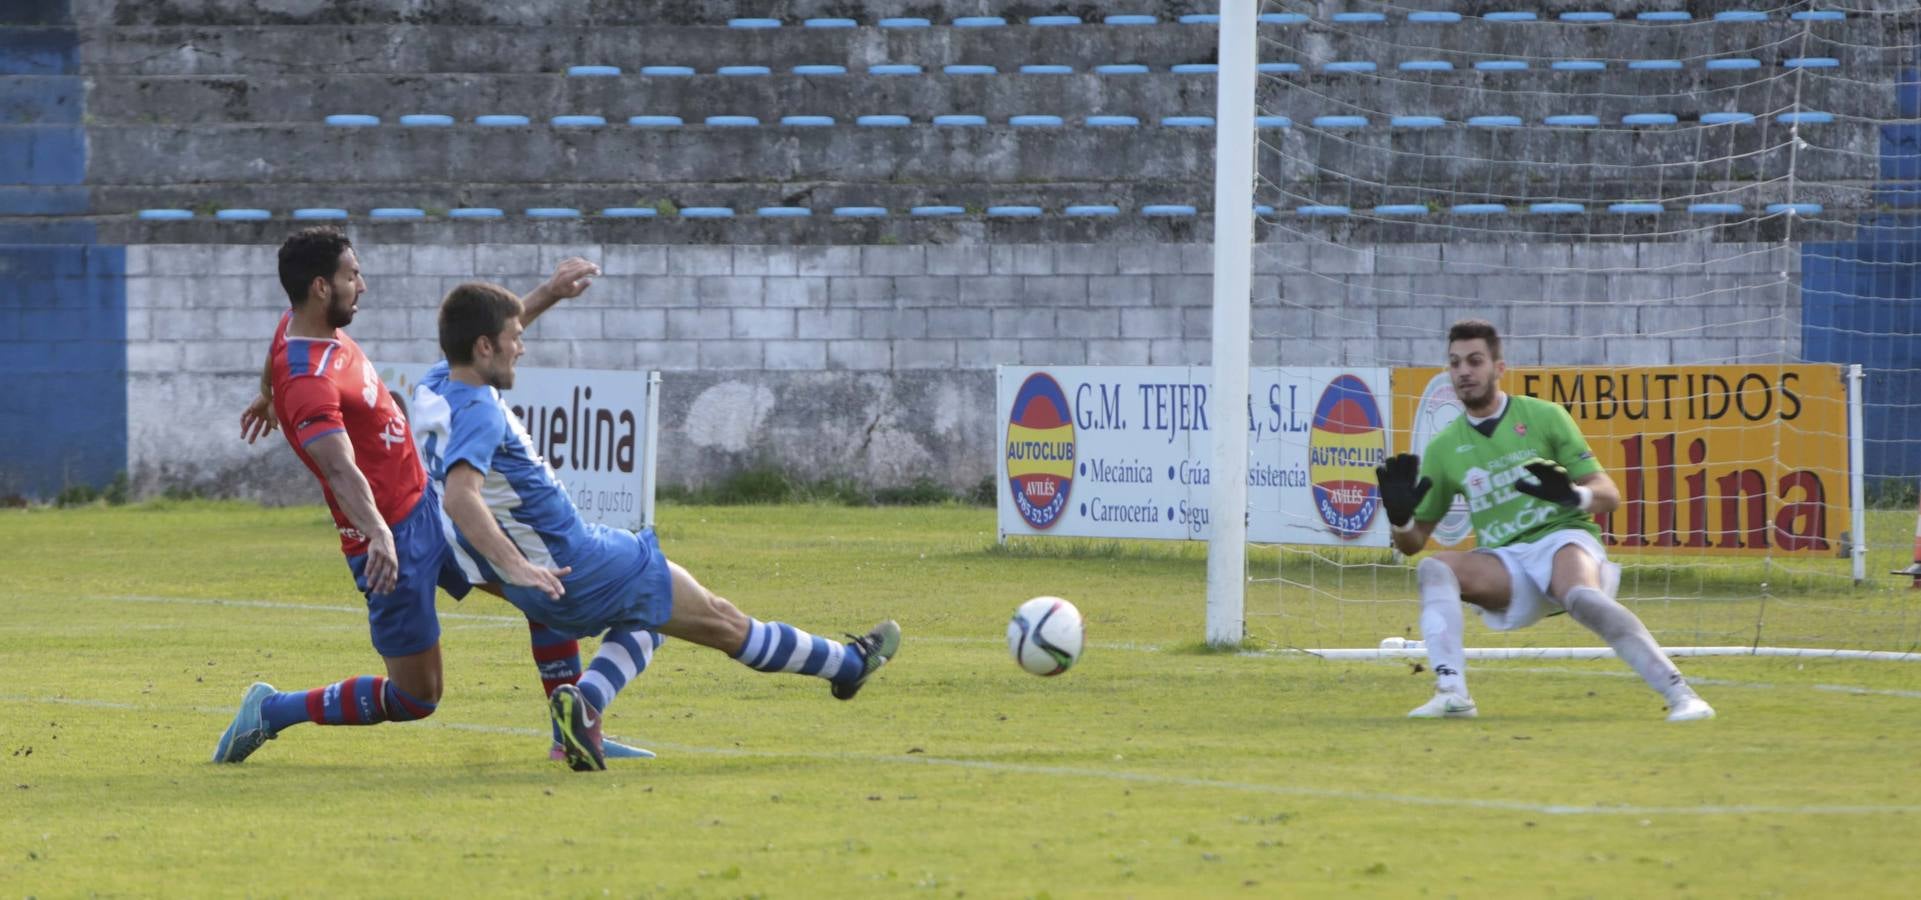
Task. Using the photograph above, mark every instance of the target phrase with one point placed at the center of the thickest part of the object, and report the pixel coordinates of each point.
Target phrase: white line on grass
(1150, 778)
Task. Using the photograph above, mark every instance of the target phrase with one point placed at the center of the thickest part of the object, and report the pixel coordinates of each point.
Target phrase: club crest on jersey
(1346, 442)
(1040, 450)
(1520, 429)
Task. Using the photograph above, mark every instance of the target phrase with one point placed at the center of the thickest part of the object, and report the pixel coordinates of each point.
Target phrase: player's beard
(340, 314)
(1479, 400)
(501, 379)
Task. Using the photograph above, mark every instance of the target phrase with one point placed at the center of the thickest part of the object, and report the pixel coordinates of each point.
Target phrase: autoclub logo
(1040, 450)
(1347, 441)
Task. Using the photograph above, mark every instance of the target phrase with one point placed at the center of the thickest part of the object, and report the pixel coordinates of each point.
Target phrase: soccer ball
(1045, 635)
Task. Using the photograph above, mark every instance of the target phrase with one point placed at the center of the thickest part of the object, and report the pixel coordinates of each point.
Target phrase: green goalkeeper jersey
(1483, 468)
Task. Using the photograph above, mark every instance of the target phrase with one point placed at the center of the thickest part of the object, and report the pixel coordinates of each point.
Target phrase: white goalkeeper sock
(1623, 631)
(1441, 625)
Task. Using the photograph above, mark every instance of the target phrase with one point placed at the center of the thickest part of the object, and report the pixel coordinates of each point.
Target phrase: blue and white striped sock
(780, 647)
(622, 656)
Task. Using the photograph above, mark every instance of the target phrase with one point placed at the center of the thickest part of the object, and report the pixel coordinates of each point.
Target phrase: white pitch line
(1149, 778)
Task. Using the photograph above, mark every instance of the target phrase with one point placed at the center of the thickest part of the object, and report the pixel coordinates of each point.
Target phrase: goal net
(1695, 226)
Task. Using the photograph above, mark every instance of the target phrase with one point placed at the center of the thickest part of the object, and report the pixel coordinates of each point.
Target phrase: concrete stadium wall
(877, 362)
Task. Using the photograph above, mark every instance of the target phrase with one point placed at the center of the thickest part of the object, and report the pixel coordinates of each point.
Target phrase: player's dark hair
(308, 254)
(472, 311)
(1469, 329)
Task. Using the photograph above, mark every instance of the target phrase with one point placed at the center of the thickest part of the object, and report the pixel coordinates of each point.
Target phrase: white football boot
(1689, 709)
(1446, 705)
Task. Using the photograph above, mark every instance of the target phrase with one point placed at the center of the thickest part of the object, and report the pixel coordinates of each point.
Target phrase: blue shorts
(621, 582)
(403, 621)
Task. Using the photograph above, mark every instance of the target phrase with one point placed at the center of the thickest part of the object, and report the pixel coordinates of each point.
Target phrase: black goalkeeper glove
(1402, 487)
(1552, 484)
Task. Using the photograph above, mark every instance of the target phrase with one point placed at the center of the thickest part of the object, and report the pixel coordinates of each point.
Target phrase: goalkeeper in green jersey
(1533, 488)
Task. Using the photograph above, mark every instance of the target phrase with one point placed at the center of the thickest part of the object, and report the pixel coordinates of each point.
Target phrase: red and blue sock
(365, 700)
(557, 656)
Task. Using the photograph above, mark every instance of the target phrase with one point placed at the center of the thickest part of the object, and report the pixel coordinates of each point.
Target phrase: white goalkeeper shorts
(1530, 569)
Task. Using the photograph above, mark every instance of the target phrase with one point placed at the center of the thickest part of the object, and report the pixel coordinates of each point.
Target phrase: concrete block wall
(877, 362)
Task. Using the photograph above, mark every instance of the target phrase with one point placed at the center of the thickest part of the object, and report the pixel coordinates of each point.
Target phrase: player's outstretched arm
(334, 454)
(1402, 490)
(469, 512)
(570, 279)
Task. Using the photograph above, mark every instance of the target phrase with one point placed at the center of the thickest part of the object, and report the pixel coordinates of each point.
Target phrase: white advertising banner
(1124, 452)
(595, 427)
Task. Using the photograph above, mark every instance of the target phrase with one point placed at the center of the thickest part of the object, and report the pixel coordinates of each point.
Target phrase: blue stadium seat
(1277, 68)
(592, 71)
(1733, 63)
(1741, 15)
(1349, 66)
(1273, 122)
(655, 121)
(1401, 209)
(1283, 19)
(1478, 209)
(904, 22)
(860, 212)
(242, 215)
(1262, 209)
(937, 211)
(1417, 122)
(1054, 21)
(1811, 62)
(1092, 210)
(1716, 209)
(1494, 121)
(1187, 122)
(1047, 69)
(807, 121)
(1664, 16)
(1340, 121)
(1014, 212)
(733, 122)
(888, 121)
(1035, 121)
(630, 212)
(784, 212)
(1113, 122)
(1434, 18)
(1587, 18)
(474, 212)
(500, 121)
(1201, 19)
(831, 23)
(753, 24)
(353, 121)
(1517, 16)
(960, 121)
(1501, 65)
(1646, 119)
(1556, 209)
(1131, 20)
(1654, 65)
(1726, 118)
(1195, 69)
(1572, 121)
(1121, 69)
(1819, 15)
(743, 71)
(553, 212)
(969, 70)
(1167, 210)
(1794, 209)
(1426, 65)
(667, 71)
(820, 70)
(1637, 209)
(706, 212)
(894, 69)
(1578, 65)
(980, 22)
(1359, 18)
(1805, 118)
(397, 212)
(315, 213)
(1322, 209)
(426, 120)
(578, 121)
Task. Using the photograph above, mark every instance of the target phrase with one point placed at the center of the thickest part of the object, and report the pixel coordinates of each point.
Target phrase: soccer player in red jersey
(341, 421)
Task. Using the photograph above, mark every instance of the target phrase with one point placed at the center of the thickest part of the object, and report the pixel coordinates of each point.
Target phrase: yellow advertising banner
(1726, 459)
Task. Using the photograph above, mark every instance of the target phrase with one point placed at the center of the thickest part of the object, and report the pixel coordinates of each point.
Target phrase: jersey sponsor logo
(1345, 443)
(1040, 450)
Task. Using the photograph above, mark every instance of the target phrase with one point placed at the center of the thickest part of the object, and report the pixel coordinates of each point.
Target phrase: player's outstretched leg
(1623, 631)
(1442, 632)
(579, 725)
(264, 712)
(705, 618)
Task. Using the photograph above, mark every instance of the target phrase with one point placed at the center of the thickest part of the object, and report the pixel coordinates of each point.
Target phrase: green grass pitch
(1153, 769)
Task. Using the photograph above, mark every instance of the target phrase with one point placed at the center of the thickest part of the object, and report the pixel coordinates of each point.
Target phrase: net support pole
(1233, 275)
(1857, 480)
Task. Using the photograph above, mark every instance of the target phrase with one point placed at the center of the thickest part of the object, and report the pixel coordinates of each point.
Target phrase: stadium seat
(980, 22)
(1277, 68)
(426, 120)
(1556, 209)
(1637, 209)
(937, 211)
(1283, 19)
(1501, 65)
(1130, 20)
(1572, 121)
(1434, 18)
(1262, 209)
(1121, 69)
(894, 69)
(1273, 122)
(1195, 69)
(1654, 65)
(1587, 18)
(1715, 209)
(242, 215)
(1494, 121)
(353, 121)
(1578, 65)
(1726, 118)
(830, 23)
(1323, 209)
(1417, 122)
(1733, 64)
(732, 122)
(164, 215)
(1819, 15)
(1014, 212)
(860, 212)
(316, 213)
(1113, 121)
(1167, 210)
(500, 121)
(1359, 18)
(1426, 65)
(1201, 19)
(1187, 122)
(667, 71)
(969, 70)
(1401, 209)
(1741, 15)
(655, 121)
(753, 24)
(1664, 16)
(397, 212)
(807, 121)
(474, 212)
(552, 212)
(1515, 16)
(1478, 209)
(706, 212)
(1047, 69)
(1340, 121)
(1053, 21)
(592, 71)
(1349, 66)
(1035, 121)
(784, 212)
(904, 22)
(1811, 62)
(578, 121)
(1092, 210)
(1645, 119)
(743, 71)
(883, 121)
(960, 121)
(820, 70)
(1805, 118)
(1794, 209)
